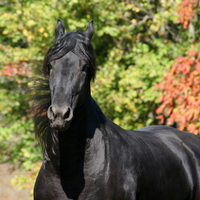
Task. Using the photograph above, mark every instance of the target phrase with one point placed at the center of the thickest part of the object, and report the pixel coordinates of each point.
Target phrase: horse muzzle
(60, 118)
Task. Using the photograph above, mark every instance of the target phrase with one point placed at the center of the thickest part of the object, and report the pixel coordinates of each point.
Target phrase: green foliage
(135, 44)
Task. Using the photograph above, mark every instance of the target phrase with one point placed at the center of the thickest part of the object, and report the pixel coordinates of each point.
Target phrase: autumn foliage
(181, 93)
(187, 11)
(12, 69)
(180, 102)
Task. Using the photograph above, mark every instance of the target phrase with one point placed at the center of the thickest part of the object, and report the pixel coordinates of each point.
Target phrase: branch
(142, 21)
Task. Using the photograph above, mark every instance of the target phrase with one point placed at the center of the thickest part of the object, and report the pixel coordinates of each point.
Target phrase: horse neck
(67, 150)
(73, 142)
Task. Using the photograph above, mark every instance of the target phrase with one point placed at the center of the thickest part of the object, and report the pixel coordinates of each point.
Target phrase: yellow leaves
(92, 89)
(134, 110)
(101, 79)
(26, 59)
(133, 7)
(41, 30)
(9, 108)
(120, 110)
(129, 6)
(133, 21)
(137, 10)
(148, 23)
(136, 73)
(154, 28)
(30, 22)
(29, 37)
(25, 32)
(45, 34)
(19, 12)
(26, 153)
(5, 32)
(117, 121)
(38, 165)
(196, 73)
(5, 15)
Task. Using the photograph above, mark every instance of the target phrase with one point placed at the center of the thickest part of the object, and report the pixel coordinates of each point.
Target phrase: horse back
(172, 163)
(155, 162)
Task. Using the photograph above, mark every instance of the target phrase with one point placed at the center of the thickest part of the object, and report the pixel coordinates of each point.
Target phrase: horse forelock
(76, 42)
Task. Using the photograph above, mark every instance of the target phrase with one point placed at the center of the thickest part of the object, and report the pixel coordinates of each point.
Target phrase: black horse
(87, 156)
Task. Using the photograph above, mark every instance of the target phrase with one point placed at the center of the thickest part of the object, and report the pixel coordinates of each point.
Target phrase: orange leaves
(13, 69)
(161, 117)
(182, 65)
(181, 93)
(198, 67)
(186, 11)
(18, 72)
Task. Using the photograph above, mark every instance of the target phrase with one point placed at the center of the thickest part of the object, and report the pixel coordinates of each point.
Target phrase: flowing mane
(80, 45)
(42, 100)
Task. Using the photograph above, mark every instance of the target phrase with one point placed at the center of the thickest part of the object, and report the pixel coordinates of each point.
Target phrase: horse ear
(90, 30)
(60, 29)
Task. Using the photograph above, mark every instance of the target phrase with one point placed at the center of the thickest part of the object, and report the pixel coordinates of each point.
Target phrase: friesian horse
(86, 155)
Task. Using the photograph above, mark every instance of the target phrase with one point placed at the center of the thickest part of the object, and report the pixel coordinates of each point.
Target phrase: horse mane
(41, 98)
(80, 45)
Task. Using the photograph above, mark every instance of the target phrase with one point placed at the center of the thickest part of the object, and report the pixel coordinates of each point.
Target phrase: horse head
(70, 64)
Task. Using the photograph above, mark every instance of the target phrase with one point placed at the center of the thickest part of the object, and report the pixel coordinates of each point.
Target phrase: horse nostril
(50, 114)
(68, 114)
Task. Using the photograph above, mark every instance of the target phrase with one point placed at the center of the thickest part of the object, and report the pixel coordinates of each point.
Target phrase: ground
(7, 191)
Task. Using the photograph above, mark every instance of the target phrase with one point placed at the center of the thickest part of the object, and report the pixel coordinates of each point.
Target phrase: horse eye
(49, 66)
(85, 67)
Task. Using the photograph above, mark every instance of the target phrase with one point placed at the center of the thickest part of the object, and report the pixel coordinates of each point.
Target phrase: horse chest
(95, 188)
